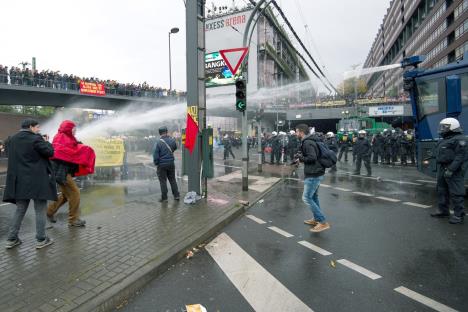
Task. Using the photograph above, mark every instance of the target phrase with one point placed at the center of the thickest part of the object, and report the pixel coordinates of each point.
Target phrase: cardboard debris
(244, 202)
(195, 308)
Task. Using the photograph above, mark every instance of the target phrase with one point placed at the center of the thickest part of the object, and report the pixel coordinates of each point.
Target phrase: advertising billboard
(217, 72)
(387, 110)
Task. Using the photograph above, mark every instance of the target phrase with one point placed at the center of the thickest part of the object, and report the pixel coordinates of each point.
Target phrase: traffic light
(241, 95)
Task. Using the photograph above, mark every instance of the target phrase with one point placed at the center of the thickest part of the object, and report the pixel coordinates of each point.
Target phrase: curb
(109, 299)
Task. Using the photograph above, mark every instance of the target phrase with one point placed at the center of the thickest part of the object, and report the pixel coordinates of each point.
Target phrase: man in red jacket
(66, 165)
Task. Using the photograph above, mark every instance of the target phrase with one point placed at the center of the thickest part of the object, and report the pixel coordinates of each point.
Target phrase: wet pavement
(127, 233)
(383, 253)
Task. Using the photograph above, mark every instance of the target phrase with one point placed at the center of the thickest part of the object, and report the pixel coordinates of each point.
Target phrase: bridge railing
(67, 85)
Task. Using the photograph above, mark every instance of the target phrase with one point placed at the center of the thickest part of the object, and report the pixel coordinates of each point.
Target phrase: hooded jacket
(311, 154)
(79, 158)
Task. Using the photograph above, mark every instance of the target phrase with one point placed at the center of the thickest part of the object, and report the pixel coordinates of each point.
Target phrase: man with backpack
(163, 158)
(316, 157)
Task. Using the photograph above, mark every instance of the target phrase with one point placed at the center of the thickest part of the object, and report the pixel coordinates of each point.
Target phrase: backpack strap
(167, 145)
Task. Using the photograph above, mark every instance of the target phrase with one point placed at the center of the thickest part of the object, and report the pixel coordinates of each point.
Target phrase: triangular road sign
(233, 58)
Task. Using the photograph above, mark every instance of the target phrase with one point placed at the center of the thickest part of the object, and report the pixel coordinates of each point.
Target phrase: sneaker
(439, 214)
(456, 220)
(311, 222)
(320, 227)
(44, 243)
(77, 223)
(52, 219)
(13, 243)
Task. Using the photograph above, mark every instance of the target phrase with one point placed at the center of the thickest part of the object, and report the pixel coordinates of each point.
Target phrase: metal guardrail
(67, 85)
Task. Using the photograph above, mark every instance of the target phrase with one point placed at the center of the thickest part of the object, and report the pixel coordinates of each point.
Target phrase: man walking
(313, 174)
(29, 177)
(163, 158)
(227, 143)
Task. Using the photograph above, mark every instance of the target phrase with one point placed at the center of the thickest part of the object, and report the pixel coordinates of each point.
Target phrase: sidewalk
(129, 239)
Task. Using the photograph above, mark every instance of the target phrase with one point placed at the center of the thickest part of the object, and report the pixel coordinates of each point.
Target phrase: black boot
(456, 220)
(439, 214)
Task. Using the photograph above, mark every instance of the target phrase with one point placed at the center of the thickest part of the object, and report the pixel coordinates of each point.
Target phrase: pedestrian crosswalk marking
(363, 194)
(416, 205)
(359, 269)
(254, 218)
(342, 189)
(325, 185)
(401, 182)
(251, 279)
(1, 205)
(315, 248)
(393, 200)
(424, 300)
(280, 231)
(427, 181)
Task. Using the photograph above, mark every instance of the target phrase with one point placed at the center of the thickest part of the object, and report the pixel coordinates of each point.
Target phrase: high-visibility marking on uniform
(363, 194)
(393, 200)
(416, 205)
(280, 231)
(424, 300)
(255, 219)
(315, 248)
(251, 279)
(359, 269)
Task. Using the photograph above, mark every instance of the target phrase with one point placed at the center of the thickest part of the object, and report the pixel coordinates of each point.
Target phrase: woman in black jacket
(29, 176)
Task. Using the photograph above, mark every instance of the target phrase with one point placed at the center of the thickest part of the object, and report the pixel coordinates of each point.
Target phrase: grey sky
(128, 40)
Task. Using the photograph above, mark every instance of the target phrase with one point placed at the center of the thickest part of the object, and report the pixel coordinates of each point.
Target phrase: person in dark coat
(29, 177)
(163, 158)
(332, 145)
(362, 150)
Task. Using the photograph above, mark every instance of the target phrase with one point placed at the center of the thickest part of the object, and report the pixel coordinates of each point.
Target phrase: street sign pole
(259, 143)
(196, 93)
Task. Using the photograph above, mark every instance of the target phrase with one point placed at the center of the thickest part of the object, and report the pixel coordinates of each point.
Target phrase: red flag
(191, 133)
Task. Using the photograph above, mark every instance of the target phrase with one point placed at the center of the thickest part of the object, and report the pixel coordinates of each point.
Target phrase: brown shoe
(311, 222)
(320, 227)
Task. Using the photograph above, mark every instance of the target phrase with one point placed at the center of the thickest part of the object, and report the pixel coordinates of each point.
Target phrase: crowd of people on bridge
(57, 80)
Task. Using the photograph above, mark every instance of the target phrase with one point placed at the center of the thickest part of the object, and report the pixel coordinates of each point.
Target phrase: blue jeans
(310, 197)
(21, 207)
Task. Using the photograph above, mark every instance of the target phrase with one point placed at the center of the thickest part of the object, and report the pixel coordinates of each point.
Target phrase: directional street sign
(233, 58)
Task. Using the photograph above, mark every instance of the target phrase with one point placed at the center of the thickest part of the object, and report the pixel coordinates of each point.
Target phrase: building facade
(435, 28)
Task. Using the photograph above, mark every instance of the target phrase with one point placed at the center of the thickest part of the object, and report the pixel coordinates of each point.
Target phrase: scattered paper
(332, 263)
(195, 308)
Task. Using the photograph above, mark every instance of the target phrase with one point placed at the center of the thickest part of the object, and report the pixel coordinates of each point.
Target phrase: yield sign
(233, 58)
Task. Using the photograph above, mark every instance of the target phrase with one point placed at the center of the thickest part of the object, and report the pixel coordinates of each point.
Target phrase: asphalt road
(383, 253)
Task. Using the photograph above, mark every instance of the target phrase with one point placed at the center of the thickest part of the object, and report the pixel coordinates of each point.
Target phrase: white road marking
(401, 182)
(359, 269)
(424, 300)
(220, 165)
(427, 181)
(363, 194)
(251, 279)
(325, 185)
(315, 248)
(393, 200)
(280, 231)
(6, 204)
(342, 189)
(416, 205)
(254, 218)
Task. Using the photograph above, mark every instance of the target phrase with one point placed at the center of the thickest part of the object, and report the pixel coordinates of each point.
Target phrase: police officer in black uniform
(451, 155)
(332, 145)
(362, 150)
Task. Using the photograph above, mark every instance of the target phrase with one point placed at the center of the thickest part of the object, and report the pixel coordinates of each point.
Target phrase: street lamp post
(174, 30)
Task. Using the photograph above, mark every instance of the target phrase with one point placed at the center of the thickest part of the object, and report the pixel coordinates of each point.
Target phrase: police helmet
(292, 132)
(330, 135)
(274, 133)
(163, 130)
(362, 133)
(449, 125)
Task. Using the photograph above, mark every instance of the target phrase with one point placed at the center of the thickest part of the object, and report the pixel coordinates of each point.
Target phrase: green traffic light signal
(241, 92)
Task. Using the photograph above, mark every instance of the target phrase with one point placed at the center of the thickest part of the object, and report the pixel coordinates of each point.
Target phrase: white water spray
(367, 71)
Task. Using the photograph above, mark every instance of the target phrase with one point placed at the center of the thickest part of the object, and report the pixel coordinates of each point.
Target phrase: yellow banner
(109, 152)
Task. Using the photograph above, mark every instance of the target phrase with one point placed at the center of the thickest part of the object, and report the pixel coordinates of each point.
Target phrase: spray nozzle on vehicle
(413, 61)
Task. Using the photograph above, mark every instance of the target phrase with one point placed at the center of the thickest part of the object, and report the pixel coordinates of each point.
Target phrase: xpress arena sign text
(226, 22)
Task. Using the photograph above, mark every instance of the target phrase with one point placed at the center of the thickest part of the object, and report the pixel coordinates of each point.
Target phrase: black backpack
(327, 157)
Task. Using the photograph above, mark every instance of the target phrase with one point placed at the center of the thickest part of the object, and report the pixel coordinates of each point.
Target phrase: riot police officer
(362, 151)
(451, 156)
(405, 148)
(293, 144)
(377, 147)
(275, 148)
(227, 143)
(344, 144)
